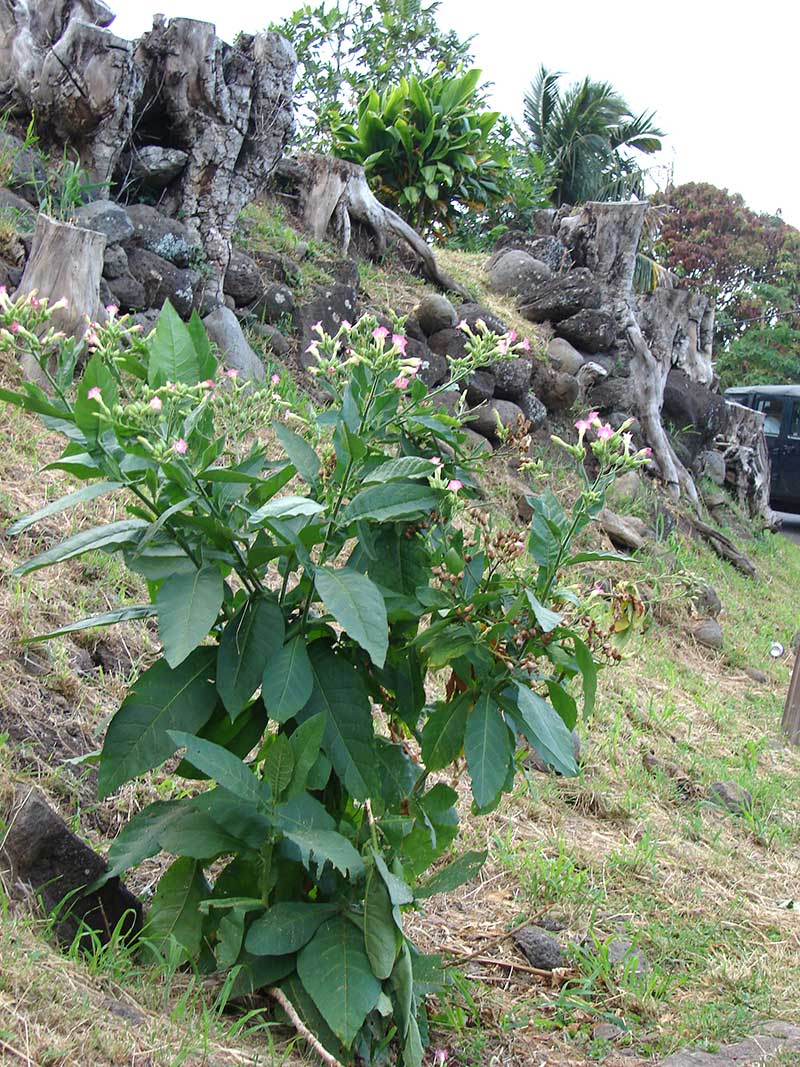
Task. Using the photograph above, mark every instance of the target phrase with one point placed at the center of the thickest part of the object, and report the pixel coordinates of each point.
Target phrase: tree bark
(332, 194)
(744, 448)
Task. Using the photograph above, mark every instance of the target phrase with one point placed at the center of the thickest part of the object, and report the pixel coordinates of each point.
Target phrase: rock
(621, 952)
(162, 236)
(557, 391)
(480, 387)
(548, 250)
(275, 267)
(154, 165)
(714, 498)
(588, 376)
(106, 217)
(772, 1039)
(433, 368)
(732, 796)
(449, 401)
(625, 490)
(330, 305)
(485, 419)
(613, 394)
(693, 409)
(712, 465)
(607, 1032)
(564, 356)
(224, 330)
(162, 280)
(540, 949)
(516, 272)
(434, 313)
(40, 851)
(476, 443)
(25, 172)
(273, 338)
(533, 409)
(564, 295)
(707, 602)
(115, 262)
(14, 206)
(708, 633)
(128, 293)
(590, 329)
(512, 378)
(242, 279)
(471, 313)
(756, 675)
(274, 303)
(449, 342)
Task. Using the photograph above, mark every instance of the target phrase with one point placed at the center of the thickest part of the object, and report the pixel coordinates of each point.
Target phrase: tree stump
(744, 448)
(791, 713)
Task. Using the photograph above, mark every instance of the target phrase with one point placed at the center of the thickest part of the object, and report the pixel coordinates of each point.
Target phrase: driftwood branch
(280, 997)
(724, 547)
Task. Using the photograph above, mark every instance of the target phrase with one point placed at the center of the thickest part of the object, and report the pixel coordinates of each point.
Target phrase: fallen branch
(280, 997)
(497, 940)
(724, 547)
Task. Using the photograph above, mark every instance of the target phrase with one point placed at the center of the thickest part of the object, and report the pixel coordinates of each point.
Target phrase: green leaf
(109, 537)
(357, 605)
(544, 729)
(140, 838)
(489, 748)
(161, 700)
(400, 562)
(175, 909)
(349, 732)
(285, 507)
(238, 737)
(380, 932)
(547, 619)
(402, 983)
(588, 667)
(412, 1048)
(226, 769)
(318, 847)
(230, 933)
(286, 927)
(300, 453)
(452, 876)
(173, 356)
(597, 557)
(306, 742)
(256, 972)
(89, 492)
(279, 765)
(252, 637)
(87, 409)
(106, 618)
(288, 680)
(206, 359)
(336, 972)
(384, 503)
(443, 733)
(399, 469)
(188, 606)
(198, 835)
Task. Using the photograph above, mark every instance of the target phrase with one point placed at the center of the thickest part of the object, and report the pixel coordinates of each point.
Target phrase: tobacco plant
(342, 625)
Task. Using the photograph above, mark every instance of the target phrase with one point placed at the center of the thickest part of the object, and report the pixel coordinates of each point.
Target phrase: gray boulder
(548, 250)
(115, 261)
(712, 465)
(480, 387)
(435, 313)
(540, 949)
(557, 391)
(533, 409)
(484, 421)
(224, 330)
(242, 279)
(517, 272)
(450, 342)
(564, 356)
(473, 313)
(275, 302)
(273, 338)
(561, 297)
(128, 293)
(162, 236)
(708, 633)
(434, 369)
(591, 329)
(476, 444)
(512, 378)
(331, 305)
(732, 796)
(162, 280)
(26, 173)
(106, 217)
(693, 409)
(706, 600)
(153, 165)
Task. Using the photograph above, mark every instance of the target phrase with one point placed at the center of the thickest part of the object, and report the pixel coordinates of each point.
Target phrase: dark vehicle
(781, 407)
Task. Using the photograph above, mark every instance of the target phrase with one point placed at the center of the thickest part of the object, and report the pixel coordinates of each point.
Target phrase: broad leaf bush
(342, 621)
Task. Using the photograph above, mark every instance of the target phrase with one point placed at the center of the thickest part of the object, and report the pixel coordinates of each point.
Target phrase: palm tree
(583, 135)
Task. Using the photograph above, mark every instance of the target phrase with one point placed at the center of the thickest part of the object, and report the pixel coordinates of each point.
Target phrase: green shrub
(296, 598)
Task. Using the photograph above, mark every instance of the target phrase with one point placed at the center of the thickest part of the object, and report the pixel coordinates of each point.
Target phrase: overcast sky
(722, 76)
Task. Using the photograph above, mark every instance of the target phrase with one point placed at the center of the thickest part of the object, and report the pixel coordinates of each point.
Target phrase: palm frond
(649, 275)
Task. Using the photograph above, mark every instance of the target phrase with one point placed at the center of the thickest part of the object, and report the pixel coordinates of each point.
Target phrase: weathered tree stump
(791, 713)
(744, 448)
(332, 194)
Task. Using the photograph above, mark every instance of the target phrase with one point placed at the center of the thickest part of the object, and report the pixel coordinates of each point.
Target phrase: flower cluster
(614, 449)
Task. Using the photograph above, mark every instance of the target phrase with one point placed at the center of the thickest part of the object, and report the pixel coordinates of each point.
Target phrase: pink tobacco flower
(179, 446)
(582, 425)
(526, 345)
(15, 327)
(94, 394)
(156, 404)
(463, 325)
(232, 373)
(400, 382)
(502, 346)
(594, 418)
(380, 333)
(454, 485)
(512, 335)
(440, 1057)
(436, 461)
(648, 452)
(605, 432)
(399, 342)
(275, 379)
(208, 383)
(112, 310)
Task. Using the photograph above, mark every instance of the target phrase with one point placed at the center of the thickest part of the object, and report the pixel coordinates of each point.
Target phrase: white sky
(721, 75)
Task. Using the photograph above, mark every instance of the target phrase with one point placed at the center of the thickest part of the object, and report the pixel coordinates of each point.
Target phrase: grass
(633, 848)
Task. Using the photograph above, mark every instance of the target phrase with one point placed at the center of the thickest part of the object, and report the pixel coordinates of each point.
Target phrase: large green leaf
(318, 847)
(544, 728)
(400, 561)
(173, 355)
(452, 876)
(288, 680)
(336, 972)
(238, 737)
(349, 738)
(286, 927)
(55, 507)
(252, 637)
(162, 699)
(188, 606)
(489, 748)
(278, 764)
(406, 467)
(225, 768)
(380, 932)
(385, 503)
(109, 537)
(443, 733)
(357, 605)
(107, 618)
(299, 452)
(175, 909)
(306, 742)
(285, 507)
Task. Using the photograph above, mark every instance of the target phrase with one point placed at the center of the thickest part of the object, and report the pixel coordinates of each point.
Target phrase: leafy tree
(585, 135)
(353, 46)
(426, 148)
